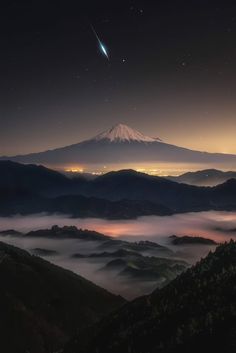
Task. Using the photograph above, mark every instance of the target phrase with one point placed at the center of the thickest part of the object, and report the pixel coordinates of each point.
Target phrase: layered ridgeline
(28, 189)
(42, 306)
(123, 267)
(195, 312)
(207, 177)
(123, 145)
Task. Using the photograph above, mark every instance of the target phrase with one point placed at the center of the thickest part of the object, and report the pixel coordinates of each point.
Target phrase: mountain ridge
(206, 177)
(123, 194)
(193, 313)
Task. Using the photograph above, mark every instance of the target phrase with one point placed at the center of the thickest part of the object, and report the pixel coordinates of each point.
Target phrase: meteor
(101, 45)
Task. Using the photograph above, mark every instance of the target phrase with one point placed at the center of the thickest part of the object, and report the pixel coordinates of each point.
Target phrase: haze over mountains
(122, 145)
(52, 307)
(207, 177)
(125, 268)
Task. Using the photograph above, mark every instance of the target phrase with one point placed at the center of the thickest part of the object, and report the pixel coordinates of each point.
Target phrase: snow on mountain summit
(121, 132)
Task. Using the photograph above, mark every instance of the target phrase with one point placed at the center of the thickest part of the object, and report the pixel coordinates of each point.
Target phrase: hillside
(43, 305)
(30, 177)
(195, 312)
(78, 206)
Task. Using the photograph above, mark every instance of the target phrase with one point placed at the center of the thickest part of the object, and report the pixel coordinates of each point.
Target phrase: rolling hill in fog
(123, 145)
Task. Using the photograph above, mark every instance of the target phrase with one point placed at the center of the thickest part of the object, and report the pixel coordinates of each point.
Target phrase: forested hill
(195, 312)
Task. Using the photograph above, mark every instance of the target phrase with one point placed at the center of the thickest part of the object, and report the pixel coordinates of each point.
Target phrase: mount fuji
(124, 146)
(123, 133)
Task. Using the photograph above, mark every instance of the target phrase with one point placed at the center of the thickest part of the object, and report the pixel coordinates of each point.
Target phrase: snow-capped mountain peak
(124, 133)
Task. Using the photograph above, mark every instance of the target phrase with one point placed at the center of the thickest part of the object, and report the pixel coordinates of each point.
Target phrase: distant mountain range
(207, 177)
(28, 189)
(123, 145)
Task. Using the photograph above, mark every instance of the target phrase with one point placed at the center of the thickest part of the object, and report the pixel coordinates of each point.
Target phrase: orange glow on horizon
(75, 170)
(161, 170)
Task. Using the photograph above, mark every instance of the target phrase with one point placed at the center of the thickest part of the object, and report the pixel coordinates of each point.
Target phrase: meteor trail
(101, 45)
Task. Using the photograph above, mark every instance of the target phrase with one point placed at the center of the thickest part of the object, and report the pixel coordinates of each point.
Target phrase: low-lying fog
(212, 224)
(220, 226)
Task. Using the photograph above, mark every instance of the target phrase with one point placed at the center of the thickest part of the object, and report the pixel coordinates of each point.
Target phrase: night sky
(171, 73)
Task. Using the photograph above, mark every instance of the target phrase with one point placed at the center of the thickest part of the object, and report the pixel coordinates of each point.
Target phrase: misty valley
(127, 257)
(122, 238)
(118, 176)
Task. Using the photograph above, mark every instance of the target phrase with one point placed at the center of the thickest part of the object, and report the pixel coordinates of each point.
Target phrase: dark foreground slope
(42, 305)
(195, 313)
